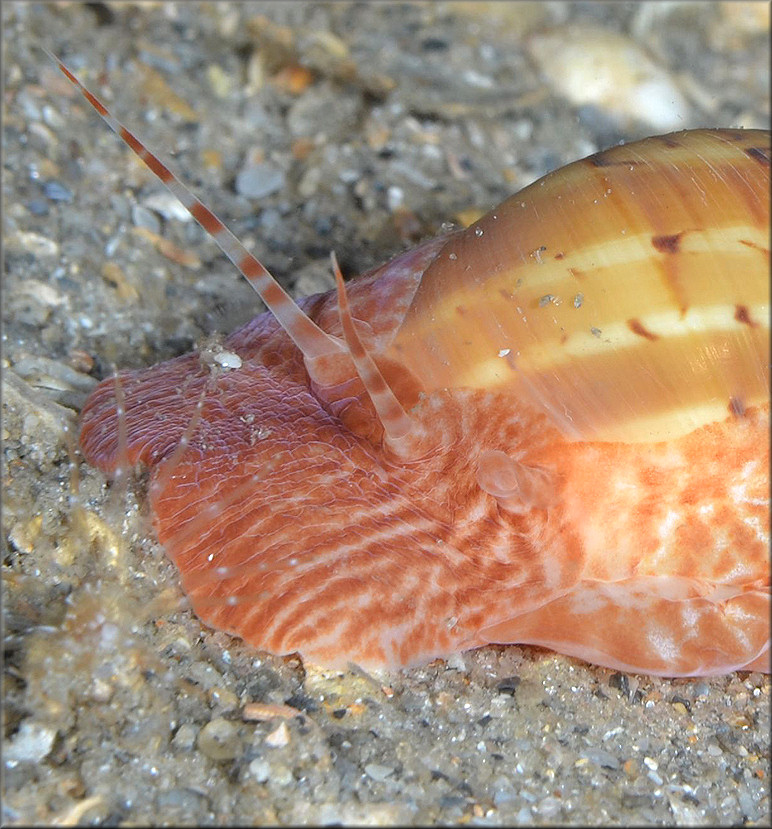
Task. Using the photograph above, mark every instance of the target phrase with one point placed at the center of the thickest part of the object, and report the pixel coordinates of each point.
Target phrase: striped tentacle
(403, 435)
(309, 338)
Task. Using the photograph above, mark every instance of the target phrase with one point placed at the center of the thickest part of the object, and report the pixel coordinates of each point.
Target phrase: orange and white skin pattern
(549, 428)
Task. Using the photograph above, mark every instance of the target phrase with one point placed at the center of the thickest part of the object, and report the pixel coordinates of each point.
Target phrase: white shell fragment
(611, 71)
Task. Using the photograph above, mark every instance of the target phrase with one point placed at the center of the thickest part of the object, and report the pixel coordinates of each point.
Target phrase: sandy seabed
(120, 708)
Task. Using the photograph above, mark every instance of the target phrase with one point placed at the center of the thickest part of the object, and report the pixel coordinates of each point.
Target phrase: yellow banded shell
(626, 294)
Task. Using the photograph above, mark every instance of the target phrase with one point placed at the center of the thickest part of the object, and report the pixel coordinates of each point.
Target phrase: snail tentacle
(304, 332)
(402, 434)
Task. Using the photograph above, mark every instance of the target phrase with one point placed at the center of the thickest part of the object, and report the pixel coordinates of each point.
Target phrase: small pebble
(259, 181)
(185, 738)
(278, 738)
(596, 66)
(680, 707)
(261, 711)
(143, 217)
(504, 791)
(34, 243)
(549, 807)
(205, 675)
(260, 769)
(53, 374)
(655, 778)
(228, 359)
(219, 80)
(378, 772)
(222, 697)
(395, 197)
(219, 740)
(57, 192)
(31, 744)
(508, 685)
(281, 775)
(455, 662)
(602, 758)
(37, 207)
(182, 798)
(168, 206)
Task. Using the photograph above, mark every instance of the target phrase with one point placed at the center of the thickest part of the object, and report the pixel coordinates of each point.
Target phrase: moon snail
(548, 428)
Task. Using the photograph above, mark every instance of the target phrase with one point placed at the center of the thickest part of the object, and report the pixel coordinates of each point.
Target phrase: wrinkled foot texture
(294, 535)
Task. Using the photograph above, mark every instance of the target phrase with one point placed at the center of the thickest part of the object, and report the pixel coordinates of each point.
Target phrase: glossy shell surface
(625, 293)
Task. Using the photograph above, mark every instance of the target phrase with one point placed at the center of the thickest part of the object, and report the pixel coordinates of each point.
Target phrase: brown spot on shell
(560, 255)
(576, 272)
(749, 244)
(760, 154)
(637, 327)
(667, 244)
(742, 315)
(736, 407)
(603, 159)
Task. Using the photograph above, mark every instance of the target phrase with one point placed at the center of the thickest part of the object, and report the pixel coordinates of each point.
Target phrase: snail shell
(549, 428)
(626, 293)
